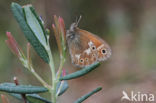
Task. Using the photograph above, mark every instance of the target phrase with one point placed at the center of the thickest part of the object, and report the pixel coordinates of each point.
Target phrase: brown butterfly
(86, 48)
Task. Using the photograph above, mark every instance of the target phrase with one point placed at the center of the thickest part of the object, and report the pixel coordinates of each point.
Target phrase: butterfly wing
(101, 47)
(85, 48)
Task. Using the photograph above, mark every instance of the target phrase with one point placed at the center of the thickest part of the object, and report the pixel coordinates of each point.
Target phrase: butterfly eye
(93, 47)
(81, 60)
(103, 51)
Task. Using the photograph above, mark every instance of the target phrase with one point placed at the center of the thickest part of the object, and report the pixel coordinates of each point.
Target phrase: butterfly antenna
(77, 21)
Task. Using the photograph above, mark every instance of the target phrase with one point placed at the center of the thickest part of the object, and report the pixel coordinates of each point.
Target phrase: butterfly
(85, 48)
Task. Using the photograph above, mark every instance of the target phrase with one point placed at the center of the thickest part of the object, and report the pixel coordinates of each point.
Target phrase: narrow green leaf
(32, 98)
(34, 24)
(80, 72)
(62, 87)
(29, 34)
(80, 100)
(21, 89)
(41, 22)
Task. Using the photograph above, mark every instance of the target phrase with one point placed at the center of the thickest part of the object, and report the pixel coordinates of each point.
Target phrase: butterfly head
(70, 35)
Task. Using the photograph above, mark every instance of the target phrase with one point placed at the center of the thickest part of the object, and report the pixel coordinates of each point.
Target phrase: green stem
(27, 65)
(54, 81)
(59, 72)
(62, 60)
(39, 78)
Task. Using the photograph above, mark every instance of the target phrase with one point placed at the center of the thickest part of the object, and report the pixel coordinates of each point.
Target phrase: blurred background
(129, 27)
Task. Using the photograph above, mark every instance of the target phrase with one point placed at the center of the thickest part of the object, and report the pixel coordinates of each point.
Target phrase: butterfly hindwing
(101, 47)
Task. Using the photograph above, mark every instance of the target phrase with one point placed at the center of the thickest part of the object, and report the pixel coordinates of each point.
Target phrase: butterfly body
(86, 48)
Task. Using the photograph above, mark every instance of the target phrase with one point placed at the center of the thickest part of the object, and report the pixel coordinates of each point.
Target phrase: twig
(23, 95)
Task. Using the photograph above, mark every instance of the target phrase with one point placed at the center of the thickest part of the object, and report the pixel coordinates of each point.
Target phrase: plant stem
(54, 81)
(27, 65)
(39, 78)
(62, 60)
(23, 95)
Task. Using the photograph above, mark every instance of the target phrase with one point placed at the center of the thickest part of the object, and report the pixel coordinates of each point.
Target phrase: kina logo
(137, 96)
